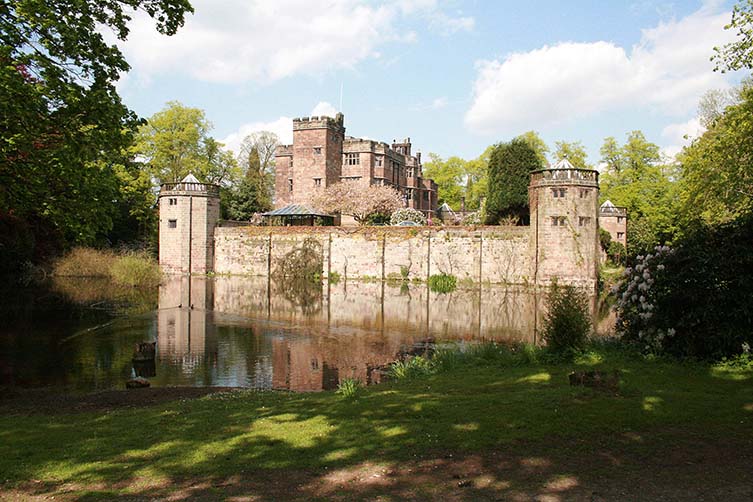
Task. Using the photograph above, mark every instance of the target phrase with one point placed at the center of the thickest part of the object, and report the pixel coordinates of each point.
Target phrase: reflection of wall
(389, 308)
(184, 328)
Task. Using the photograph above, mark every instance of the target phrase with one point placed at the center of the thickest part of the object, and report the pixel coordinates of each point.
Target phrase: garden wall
(497, 255)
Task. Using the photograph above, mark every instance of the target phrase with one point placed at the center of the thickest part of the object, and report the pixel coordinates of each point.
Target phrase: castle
(562, 241)
(321, 155)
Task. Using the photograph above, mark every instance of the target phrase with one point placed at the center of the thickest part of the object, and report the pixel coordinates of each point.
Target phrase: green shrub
(411, 368)
(443, 283)
(334, 277)
(567, 323)
(694, 300)
(135, 269)
(349, 388)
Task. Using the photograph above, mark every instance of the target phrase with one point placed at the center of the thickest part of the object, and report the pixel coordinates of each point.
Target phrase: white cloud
(282, 127)
(668, 70)
(324, 108)
(448, 25)
(680, 134)
(439, 103)
(233, 41)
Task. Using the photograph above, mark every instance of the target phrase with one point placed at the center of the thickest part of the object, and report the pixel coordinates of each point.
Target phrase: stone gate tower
(188, 212)
(564, 204)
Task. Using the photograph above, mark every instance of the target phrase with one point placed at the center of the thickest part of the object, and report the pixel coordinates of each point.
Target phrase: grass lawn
(474, 432)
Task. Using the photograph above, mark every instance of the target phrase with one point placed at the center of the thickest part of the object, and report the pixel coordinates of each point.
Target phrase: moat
(80, 334)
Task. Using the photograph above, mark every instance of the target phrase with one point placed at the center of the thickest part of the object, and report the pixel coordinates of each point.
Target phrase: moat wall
(496, 255)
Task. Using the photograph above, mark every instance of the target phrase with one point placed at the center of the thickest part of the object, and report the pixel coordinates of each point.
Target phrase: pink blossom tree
(357, 199)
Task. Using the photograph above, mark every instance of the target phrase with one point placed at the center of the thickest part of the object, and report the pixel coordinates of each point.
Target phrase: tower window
(378, 161)
(619, 219)
(559, 221)
(352, 159)
(559, 192)
(173, 201)
(584, 193)
(290, 162)
(290, 185)
(318, 150)
(317, 182)
(172, 223)
(584, 221)
(620, 235)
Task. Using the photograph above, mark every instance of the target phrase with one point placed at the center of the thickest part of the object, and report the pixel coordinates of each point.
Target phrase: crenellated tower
(564, 204)
(314, 160)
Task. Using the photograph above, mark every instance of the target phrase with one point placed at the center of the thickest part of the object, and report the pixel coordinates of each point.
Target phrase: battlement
(189, 188)
(284, 150)
(320, 122)
(552, 177)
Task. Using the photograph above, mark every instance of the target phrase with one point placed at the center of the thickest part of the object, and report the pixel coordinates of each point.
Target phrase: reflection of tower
(564, 215)
(185, 330)
(299, 366)
(188, 213)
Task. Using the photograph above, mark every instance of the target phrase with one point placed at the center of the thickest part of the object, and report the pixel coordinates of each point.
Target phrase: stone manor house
(321, 155)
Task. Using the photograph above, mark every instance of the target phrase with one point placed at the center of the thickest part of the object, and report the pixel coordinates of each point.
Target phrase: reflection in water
(251, 332)
(248, 331)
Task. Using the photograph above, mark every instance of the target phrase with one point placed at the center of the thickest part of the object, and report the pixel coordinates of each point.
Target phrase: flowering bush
(637, 297)
(695, 300)
(408, 214)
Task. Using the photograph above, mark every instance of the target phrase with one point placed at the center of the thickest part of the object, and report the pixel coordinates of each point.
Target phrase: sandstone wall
(498, 255)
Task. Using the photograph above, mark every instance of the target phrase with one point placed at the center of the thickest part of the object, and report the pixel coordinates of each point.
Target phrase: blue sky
(455, 76)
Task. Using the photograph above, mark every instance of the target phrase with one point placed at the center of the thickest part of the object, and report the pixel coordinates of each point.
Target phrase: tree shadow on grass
(470, 435)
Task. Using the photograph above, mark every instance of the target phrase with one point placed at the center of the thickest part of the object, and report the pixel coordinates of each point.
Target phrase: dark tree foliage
(510, 166)
(64, 128)
(700, 294)
(249, 196)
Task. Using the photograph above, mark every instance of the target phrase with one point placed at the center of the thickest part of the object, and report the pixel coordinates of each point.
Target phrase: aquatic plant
(126, 268)
(135, 269)
(443, 283)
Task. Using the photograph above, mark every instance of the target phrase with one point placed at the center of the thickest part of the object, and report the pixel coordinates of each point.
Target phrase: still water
(244, 332)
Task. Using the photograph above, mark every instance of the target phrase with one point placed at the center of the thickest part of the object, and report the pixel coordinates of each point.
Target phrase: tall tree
(510, 166)
(738, 54)
(477, 180)
(635, 177)
(64, 126)
(260, 148)
(717, 168)
(257, 160)
(175, 141)
(448, 174)
(533, 139)
(574, 152)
